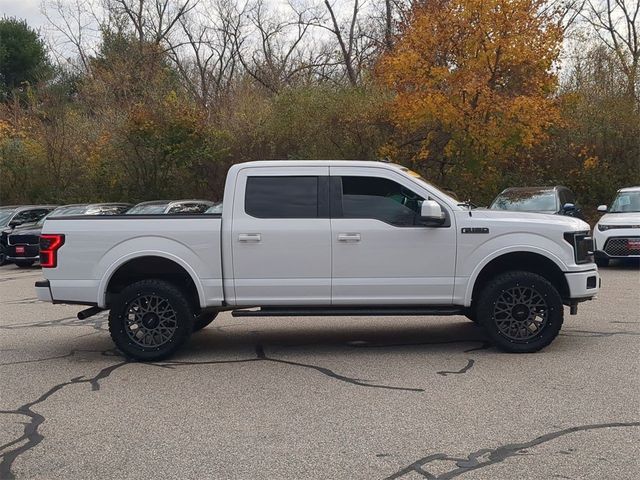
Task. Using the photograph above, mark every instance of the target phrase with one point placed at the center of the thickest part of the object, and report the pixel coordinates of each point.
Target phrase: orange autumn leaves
(473, 81)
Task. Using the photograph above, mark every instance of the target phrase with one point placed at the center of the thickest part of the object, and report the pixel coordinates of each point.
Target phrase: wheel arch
(530, 261)
(146, 265)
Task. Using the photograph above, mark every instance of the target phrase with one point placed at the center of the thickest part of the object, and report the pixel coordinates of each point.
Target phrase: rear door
(281, 236)
(380, 255)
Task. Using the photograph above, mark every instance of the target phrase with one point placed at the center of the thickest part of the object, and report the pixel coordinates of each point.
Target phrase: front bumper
(29, 252)
(583, 285)
(43, 291)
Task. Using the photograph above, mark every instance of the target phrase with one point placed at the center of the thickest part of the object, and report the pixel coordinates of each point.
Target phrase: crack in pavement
(24, 301)
(490, 456)
(595, 334)
(97, 322)
(262, 357)
(31, 436)
(106, 353)
(464, 369)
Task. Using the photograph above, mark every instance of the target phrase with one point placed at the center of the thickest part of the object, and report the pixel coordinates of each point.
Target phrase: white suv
(617, 233)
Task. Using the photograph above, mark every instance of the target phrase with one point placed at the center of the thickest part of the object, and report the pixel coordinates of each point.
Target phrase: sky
(28, 10)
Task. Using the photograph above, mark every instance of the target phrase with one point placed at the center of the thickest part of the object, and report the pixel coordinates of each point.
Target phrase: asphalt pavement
(320, 398)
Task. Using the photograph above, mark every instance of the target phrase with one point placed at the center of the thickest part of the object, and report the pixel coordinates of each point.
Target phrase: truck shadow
(453, 336)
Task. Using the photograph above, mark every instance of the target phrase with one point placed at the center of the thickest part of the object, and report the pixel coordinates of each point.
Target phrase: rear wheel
(150, 320)
(24, 263)
(203, 320)
(521, 312)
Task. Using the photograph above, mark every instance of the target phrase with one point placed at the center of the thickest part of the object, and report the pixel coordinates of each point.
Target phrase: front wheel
(602, 262)
(150, 320)
(521, 312)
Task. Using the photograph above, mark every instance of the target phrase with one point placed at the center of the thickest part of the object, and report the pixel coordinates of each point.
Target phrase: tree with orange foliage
(473, 81)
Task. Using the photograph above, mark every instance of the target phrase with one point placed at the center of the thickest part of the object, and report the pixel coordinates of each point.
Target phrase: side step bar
(347, 311)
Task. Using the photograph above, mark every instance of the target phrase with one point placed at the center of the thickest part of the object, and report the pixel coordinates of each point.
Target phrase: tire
(472, 314)
(24, 263)
(203, 320)
(3, 256)
(150, 320)
(521, 312)
(602, 262)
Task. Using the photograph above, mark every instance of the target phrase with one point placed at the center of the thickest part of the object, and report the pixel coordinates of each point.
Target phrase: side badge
(475, 230)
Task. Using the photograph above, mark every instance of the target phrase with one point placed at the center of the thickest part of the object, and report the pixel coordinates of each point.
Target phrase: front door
(380, 255)
(281, 237)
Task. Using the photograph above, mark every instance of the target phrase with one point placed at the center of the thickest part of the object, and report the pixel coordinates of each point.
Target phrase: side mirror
(431, 213)
(14, 223)
(602, 208)
(569, 207)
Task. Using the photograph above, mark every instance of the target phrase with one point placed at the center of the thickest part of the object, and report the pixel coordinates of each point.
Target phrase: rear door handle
(348, 237)
(249, 237)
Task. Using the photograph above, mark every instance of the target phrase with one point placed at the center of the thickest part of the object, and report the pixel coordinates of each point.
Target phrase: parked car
(13, 216)
(617, 233)
(557, 200)
(215, 209)
(304, 238)
(170, 207)
(23, 244)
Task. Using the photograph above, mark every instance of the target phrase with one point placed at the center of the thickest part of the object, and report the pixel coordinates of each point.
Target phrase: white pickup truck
(325, 238)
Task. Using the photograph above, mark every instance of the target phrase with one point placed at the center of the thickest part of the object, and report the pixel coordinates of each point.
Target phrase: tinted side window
(380, 199)
(282, 197)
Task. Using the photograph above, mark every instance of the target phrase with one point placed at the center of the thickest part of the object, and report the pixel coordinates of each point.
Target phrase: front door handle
(249, 237)
(348, 237)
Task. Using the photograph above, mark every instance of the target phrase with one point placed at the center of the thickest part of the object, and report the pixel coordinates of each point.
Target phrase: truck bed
(96, 246)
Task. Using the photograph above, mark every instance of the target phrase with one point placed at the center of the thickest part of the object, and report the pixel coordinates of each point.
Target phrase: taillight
(49, 245)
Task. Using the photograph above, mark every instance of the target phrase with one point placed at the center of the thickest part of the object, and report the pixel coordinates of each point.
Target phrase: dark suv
(23, 244)
(557, 200)
(14, 216)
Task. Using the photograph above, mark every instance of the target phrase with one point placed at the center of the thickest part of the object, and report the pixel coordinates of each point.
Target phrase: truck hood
(529, 218)
(628, 218)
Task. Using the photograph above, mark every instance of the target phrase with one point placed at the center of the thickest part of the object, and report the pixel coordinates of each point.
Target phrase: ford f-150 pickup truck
(302, 238)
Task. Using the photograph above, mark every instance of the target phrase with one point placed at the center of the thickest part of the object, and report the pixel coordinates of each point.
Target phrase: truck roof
(318, 163)
(630, 189)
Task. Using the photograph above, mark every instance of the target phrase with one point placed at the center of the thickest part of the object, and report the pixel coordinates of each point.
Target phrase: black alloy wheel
(521, 312)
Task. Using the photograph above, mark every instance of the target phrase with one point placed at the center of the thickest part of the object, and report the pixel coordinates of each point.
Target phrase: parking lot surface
(343, 398)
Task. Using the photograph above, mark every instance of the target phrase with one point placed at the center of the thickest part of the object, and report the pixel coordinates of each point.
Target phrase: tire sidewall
(203, 320)
(117, 319)
(492, 292)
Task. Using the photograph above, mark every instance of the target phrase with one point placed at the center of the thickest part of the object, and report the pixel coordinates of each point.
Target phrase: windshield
(626, 202)
(526, 201)
(448, 195)
(217, 208)
(5, 216)
(69, 210)
(149, 209)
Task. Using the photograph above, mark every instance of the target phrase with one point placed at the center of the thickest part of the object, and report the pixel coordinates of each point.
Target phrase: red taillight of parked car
(49, 245)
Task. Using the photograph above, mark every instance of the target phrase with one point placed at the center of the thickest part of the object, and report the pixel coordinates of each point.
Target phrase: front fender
(477, 259)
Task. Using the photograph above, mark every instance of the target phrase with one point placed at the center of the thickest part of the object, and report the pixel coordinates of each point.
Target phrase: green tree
(23, 56)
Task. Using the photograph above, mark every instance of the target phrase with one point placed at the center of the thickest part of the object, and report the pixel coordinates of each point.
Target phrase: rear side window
(282, 197)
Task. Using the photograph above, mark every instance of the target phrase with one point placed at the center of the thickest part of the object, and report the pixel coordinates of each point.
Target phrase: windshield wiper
(469, 204)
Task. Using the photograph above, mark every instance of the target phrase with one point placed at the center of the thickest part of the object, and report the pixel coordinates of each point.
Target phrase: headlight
(582, 244)
(604, 228)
